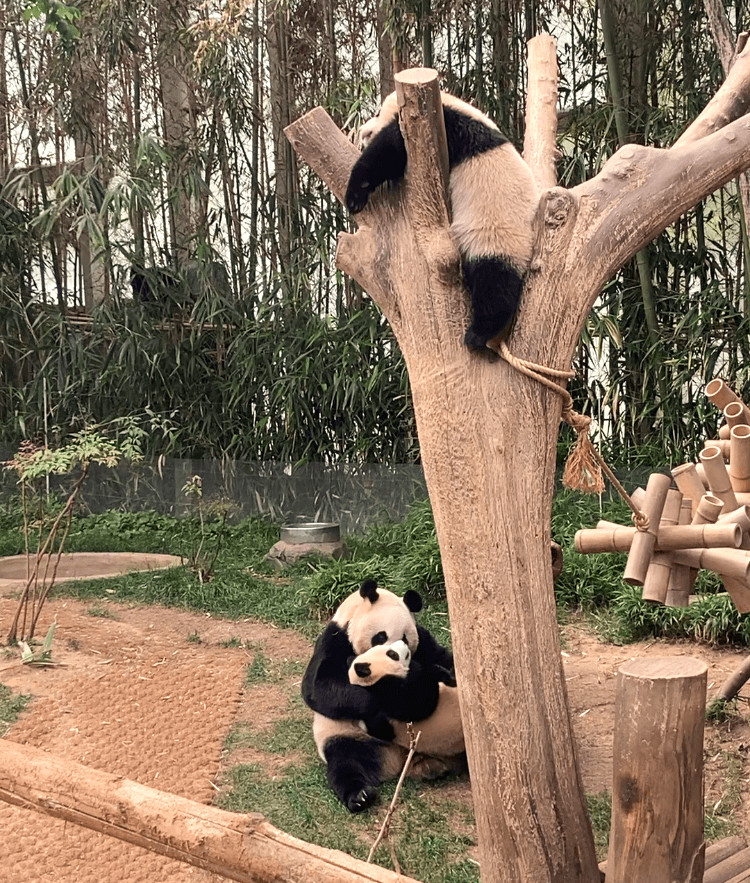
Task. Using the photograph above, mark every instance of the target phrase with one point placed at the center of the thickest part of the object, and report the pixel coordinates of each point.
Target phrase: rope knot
(585, 465)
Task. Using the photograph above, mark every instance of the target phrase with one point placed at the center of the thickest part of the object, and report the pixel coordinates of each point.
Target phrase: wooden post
(657, 788)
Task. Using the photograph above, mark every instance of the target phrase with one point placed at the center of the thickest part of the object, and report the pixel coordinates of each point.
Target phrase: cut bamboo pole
(657, 788)
(718, 477)
(656, 584)
(239, 846)
(741, 516)
(688, 482)
(709, 510)
(739, 458)
(734, 414)
(643, 544)
(723, 444)
(619, 538)
(721, 395)
(727, 562)
(682, 578)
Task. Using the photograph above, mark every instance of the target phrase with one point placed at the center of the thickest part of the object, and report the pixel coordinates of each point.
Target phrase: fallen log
(734, 868)
(239, 846)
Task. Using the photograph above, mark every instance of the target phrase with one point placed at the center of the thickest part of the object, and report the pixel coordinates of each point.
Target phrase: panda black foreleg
(354, 770)
(384, 159)
(495, 288)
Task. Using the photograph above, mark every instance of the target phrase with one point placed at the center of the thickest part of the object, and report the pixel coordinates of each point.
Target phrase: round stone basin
(84, 565)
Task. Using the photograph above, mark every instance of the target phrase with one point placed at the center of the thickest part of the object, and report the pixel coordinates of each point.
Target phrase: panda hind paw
(357, 196)
(475, 341)
(360, 800)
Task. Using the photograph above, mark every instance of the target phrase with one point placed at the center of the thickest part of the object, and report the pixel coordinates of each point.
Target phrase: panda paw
(357, 195)
(360, 800)
(475, 341)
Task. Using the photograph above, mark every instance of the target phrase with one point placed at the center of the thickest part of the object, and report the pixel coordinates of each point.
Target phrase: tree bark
(237, 846)
(488, 444)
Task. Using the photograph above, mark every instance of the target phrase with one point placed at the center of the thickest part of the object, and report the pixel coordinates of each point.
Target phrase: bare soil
(136, 695)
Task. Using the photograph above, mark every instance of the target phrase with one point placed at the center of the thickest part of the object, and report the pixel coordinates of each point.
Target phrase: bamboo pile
(699, 517)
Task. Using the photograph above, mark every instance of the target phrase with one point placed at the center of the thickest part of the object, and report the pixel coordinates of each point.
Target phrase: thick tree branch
(730, 102)
(642, 190)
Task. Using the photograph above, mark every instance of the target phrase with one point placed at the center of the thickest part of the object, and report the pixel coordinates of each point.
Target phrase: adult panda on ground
(493, 196)
(359, 757)
(425, 696)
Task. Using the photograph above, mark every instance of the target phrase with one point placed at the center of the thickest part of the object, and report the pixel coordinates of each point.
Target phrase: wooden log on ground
(723, 849)
(731, 870)
(657, 788)
(239, 846)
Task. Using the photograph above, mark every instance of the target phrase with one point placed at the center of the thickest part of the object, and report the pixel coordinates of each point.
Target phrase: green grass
(11, 706)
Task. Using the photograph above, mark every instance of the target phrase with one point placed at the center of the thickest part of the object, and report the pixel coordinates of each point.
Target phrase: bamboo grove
(163, 256)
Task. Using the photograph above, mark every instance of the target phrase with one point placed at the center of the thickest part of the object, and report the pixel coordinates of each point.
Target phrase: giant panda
(424, 696)
(359, 759)
(493, 197)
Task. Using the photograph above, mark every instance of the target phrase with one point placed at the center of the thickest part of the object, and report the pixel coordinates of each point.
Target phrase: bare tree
(488, 432)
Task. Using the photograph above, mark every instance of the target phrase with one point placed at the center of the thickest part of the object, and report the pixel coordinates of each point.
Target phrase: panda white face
(385, 659)
(376, 616)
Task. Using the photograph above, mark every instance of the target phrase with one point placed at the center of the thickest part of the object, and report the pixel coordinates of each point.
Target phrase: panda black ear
(413, 601)
(369, 590)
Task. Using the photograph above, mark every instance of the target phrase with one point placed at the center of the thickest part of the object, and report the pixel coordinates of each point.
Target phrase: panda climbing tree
(488, 431)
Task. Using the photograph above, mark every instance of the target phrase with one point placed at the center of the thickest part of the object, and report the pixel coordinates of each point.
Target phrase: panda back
(494, 200)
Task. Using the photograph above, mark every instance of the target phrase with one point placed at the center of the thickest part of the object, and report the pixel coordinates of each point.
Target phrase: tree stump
(657, 788)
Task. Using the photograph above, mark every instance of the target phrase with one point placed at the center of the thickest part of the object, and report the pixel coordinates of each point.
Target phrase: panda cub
(493, 196)
(409, 692)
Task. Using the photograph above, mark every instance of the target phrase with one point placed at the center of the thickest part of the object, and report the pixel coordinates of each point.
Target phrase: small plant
(194, 638)
(33, 463)
(203, 559)
(11, 705)
(101, 612)
(41, 656)
(721, 711)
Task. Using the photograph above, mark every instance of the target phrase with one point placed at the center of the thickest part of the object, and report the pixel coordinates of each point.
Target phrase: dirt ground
(134, 695)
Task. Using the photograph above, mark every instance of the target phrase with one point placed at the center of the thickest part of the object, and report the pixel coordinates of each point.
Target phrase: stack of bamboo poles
(699, 517)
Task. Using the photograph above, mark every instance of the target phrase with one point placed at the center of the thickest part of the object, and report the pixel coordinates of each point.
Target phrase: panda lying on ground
(358, 760)
(408, 692)
(493, 196)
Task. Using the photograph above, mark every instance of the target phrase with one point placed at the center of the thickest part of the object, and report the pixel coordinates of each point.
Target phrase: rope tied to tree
(585, 465)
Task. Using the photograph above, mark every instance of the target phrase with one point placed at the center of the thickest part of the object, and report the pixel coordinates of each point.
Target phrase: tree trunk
(488, 438)
(179, 123)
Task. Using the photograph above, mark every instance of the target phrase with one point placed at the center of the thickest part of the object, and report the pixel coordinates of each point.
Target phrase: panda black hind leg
(495, 288)
(354, 770)
(384, 159)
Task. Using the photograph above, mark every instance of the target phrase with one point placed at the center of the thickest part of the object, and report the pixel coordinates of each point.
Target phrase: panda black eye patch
(391, 654)
(380, 638)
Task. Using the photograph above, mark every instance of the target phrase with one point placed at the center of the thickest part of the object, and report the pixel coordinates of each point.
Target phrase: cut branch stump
(657, 787)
